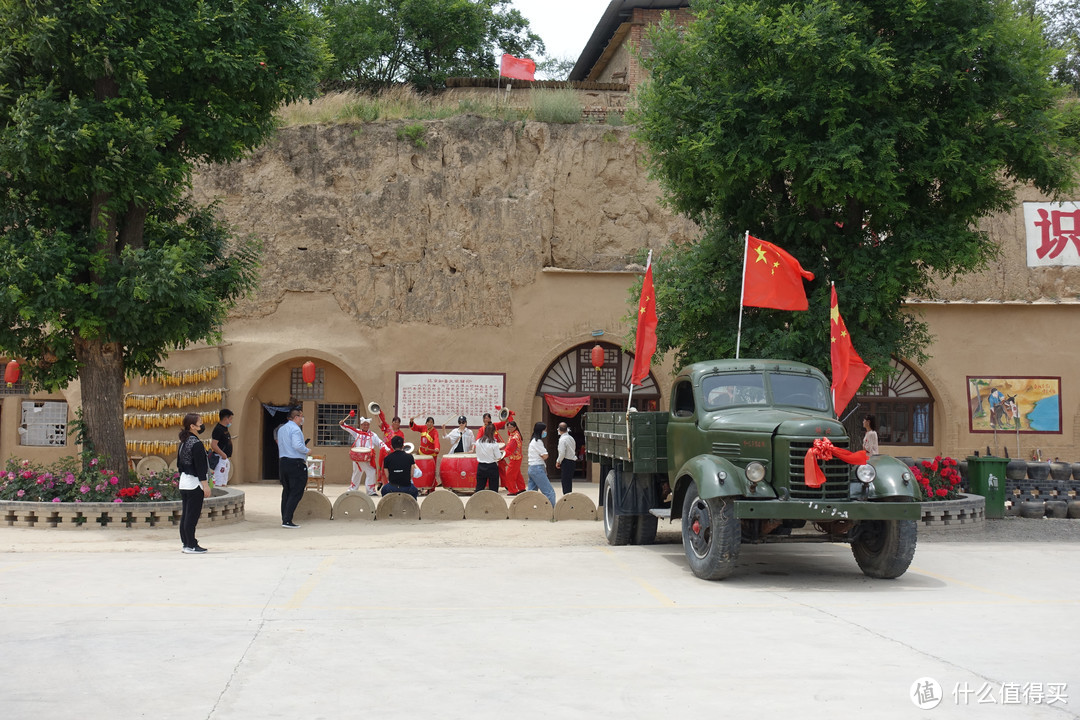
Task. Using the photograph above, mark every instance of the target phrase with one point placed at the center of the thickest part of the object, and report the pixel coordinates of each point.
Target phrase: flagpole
(742, 292)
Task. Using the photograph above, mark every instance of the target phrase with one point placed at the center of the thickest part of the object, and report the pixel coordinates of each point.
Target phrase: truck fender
(889, 482)
(704, 470)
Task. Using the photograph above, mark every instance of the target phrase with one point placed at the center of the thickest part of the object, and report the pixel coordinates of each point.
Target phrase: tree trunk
(101, 376)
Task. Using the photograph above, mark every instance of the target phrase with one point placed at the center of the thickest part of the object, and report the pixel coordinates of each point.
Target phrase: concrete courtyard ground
(526, 619)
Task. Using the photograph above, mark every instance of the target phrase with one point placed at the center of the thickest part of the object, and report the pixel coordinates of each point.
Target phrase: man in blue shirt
(292, 465)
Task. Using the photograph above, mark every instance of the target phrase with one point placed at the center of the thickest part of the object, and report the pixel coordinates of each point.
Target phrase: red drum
(458, 472)
(426, 463)
(362, 455)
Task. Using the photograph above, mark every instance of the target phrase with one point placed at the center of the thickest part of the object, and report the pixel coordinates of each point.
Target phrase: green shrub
(414, 134)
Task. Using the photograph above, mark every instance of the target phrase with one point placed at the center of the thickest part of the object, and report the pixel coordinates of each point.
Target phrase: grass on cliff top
(404, 103)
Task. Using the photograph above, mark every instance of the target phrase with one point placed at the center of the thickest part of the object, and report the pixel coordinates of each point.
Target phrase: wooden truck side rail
(605, 440)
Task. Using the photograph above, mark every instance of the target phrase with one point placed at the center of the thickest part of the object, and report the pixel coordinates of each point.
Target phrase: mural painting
(1027, 405)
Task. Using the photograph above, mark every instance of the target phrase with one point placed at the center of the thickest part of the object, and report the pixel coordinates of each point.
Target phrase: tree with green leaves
(105, 107)
(867, 139)
(377, 43)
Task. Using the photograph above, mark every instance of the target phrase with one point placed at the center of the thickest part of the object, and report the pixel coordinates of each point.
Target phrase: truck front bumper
(823, 510)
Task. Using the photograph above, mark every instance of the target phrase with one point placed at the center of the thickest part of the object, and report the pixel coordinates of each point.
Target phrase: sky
(563, 25)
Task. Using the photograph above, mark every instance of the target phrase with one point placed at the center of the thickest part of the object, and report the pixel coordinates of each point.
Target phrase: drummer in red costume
(364, 445)
(498, 426)
(510, 465)
(389, 433)
(429, 436)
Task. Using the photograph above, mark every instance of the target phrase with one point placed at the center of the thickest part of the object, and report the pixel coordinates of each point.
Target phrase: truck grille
(836, 485)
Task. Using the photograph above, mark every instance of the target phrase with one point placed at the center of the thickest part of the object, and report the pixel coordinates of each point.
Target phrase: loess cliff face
(435, 222)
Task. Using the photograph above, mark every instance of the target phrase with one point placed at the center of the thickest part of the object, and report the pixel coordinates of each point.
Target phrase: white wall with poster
(445, 396)
(1052, 233)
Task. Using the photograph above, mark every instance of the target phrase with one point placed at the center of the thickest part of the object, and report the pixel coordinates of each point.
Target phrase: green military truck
(728, 460)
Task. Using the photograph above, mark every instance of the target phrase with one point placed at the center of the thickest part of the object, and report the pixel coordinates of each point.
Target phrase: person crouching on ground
(488, 454)
(194, 486)
(399, 468)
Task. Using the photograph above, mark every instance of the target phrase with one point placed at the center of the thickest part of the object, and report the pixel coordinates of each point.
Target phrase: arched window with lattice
(902, 406)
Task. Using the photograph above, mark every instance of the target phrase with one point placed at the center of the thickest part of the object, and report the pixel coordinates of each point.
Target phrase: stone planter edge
(225, 507)
(967, 513)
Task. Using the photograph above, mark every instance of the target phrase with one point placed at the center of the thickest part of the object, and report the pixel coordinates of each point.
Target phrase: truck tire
(619, 529)
(711, 535)
(884, 548)
(645, 530)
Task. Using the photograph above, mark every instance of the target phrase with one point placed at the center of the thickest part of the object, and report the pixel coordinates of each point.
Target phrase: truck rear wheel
(885, 548)
(711, 535)
(619, 529)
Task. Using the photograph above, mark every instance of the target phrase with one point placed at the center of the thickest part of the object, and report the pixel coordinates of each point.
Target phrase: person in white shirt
(566, 461)
(538, 454)
(488, 454)
(870, 441)
(461, 438)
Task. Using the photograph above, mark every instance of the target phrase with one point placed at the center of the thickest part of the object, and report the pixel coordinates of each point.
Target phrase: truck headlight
(866, 474)
(755, 472)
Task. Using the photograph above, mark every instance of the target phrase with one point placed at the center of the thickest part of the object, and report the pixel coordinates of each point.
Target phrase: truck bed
(605, 440)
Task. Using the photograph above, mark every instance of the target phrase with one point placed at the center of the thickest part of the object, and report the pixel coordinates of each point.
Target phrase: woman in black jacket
(194, 486)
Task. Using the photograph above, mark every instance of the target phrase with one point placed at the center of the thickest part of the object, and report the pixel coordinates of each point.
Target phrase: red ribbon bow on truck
(823, 449)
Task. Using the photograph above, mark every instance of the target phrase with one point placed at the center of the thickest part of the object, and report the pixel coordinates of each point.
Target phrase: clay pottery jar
(1037, 470)
(1016, 470)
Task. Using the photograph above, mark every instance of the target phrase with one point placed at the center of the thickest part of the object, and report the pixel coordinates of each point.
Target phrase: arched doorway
(325, 402)
(572, 377)
(902, 405)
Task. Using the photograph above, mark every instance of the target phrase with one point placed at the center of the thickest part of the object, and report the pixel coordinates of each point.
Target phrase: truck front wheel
(619, 529)
(711, 535)
(884, 548)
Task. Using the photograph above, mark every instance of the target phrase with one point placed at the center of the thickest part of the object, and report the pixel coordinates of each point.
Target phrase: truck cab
(730, 461)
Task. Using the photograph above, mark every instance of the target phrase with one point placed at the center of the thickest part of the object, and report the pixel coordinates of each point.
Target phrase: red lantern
(11, 373)
(308, 371)
(597, 357)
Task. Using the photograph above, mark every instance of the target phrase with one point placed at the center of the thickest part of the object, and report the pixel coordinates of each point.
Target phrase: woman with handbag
(194, 486)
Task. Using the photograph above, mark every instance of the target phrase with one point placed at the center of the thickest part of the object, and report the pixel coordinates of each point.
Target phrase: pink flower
(69, 479)
(21, 493)
(78, 500)
(84, 489)
(56, 499)
(93, 462)
(118, 500)
(113, 480)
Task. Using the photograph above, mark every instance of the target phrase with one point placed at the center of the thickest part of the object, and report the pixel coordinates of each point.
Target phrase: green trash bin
(986, 475)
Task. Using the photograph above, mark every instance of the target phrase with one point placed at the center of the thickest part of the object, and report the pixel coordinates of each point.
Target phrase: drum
(361, 455)
(458, 472)
(426, 463)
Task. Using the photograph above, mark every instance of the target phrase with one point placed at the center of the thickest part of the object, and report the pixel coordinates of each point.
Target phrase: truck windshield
(798, 390)
(722, 391)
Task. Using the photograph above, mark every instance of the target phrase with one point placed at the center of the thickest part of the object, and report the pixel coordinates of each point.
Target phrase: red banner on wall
(566, 406)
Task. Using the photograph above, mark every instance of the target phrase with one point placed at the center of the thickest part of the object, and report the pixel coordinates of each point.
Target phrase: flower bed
(226, 506)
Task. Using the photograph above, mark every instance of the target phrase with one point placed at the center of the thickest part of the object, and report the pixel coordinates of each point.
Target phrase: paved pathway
(512, 619)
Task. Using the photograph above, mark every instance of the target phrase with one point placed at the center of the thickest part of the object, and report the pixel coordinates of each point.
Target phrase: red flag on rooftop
(848, 369)
(645, 338)
(517, 68)
(772, 278)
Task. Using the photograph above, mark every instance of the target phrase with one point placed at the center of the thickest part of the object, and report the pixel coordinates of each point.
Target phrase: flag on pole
(772, 278)
(517, 68)
(645, 338)
(848, 369)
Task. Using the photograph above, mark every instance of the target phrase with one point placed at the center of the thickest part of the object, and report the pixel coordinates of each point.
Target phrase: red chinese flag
(848, 369)
(517, 68)
(773, 278)
(645, 339)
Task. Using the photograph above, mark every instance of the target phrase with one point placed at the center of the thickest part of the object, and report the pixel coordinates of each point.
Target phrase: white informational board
(1052, 233)
(445, 396)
